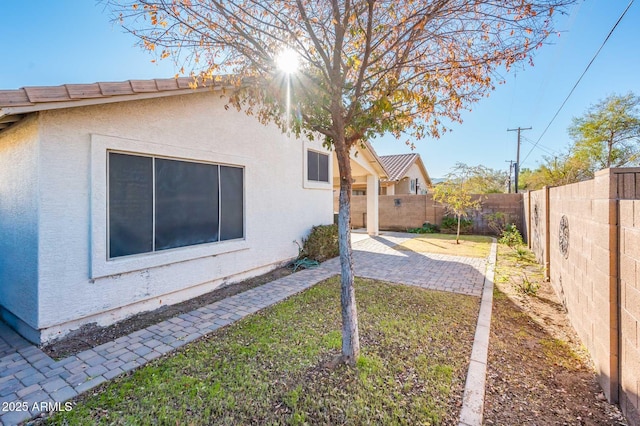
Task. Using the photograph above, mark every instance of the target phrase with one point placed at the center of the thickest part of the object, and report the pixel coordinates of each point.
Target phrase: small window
(158, 204)
(317, 166)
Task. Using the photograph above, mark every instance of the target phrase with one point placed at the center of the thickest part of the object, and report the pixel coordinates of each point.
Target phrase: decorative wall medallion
(564, 236)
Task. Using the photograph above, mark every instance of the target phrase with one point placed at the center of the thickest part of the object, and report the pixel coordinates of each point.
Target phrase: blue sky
(47, 42)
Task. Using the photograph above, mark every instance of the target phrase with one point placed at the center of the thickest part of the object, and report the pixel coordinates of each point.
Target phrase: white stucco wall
(404, 186)
(415, 173)
(78, 285)
(19, 225)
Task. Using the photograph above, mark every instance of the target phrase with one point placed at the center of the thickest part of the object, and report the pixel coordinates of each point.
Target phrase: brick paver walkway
(28, 377)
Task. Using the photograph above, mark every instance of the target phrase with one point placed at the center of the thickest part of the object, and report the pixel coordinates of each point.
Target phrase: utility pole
(519, 129)
(510, 171)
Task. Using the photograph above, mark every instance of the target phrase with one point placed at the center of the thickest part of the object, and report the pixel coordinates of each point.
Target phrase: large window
(317, 166)
(157, 203)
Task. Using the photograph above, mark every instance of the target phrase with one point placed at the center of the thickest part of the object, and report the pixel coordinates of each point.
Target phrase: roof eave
(47, 106)
(424, 170)
(374, 160)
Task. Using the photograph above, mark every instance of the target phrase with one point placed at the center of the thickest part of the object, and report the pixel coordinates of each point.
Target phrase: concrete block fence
(402, 212)
(587, 235)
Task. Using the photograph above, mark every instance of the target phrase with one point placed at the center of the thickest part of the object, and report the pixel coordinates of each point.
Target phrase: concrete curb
(473, 399)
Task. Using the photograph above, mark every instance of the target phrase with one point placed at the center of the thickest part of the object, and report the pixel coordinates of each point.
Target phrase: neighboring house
(407, 175)
(117, 198)
(366, 173)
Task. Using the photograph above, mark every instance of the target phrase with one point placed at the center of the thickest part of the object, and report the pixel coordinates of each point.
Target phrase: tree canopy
(367, 67)
(484, 180)
(606, 135)
(559, 170)
(456, 192)
(380, 65)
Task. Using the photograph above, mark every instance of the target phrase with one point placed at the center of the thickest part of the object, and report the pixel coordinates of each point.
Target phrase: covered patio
(366, 171)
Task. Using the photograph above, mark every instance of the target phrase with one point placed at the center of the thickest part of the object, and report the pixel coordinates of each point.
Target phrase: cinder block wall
(629, 245)
(536, 224)
(358, 209)
(510, 204)
(582, 266)
(402, 212)
(588, 236)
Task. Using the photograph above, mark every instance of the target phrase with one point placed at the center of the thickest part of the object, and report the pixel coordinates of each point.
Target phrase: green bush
(496, 222)
(450, 225)
(427, 228)
(527, 287)
(321, 244)
(511, 237)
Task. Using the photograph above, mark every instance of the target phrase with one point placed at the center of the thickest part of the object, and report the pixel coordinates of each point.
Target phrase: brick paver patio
(29, 377)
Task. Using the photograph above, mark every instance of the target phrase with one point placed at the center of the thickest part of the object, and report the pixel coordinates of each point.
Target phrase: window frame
(316, 184)
(317, 167)
(154, 216)
(100, 263)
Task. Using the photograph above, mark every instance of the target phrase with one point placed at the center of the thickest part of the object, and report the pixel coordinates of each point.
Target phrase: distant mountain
(437, 180)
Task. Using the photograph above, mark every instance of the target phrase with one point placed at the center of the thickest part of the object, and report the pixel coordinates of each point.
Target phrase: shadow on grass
(268, 367)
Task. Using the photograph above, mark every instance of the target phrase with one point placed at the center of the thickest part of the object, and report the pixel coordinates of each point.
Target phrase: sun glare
(287, 61)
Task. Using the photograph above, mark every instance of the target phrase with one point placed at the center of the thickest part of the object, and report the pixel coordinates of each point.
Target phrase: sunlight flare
(287, 61)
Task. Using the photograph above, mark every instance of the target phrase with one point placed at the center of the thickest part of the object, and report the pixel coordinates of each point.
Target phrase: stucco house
(117, 198)
(406, 175)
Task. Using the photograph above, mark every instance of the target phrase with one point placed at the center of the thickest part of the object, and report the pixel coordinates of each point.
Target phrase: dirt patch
(538, 371)
(92, 335)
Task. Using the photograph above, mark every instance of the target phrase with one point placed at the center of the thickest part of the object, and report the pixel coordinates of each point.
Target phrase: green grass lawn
(470, 245)
(274, 367)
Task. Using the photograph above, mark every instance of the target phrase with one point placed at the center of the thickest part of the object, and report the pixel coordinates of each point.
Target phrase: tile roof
(15, 103)
(27, 96)
(398, 165)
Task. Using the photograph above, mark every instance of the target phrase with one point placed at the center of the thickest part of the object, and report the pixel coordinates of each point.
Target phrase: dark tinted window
(190, 203)
(231, 203)
(130, 204)
(186, 203)
(312, 165)
(323, 168)
(317, 166)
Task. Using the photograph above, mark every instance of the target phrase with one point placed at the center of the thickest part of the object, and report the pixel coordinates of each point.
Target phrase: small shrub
(321, 244)
(496, 222)
(522, 253)
(527, 287)
(426, 228)
(511, 237)
(450, 225)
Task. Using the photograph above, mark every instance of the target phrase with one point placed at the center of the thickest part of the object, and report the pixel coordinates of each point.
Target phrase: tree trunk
(458, 233)
(350, 337)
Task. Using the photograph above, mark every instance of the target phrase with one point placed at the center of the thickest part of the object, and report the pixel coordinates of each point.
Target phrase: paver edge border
(27, 416)
(473, 399)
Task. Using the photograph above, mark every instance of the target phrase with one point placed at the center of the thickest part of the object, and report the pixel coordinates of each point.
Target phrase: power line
(579, 79)
(545, 149)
